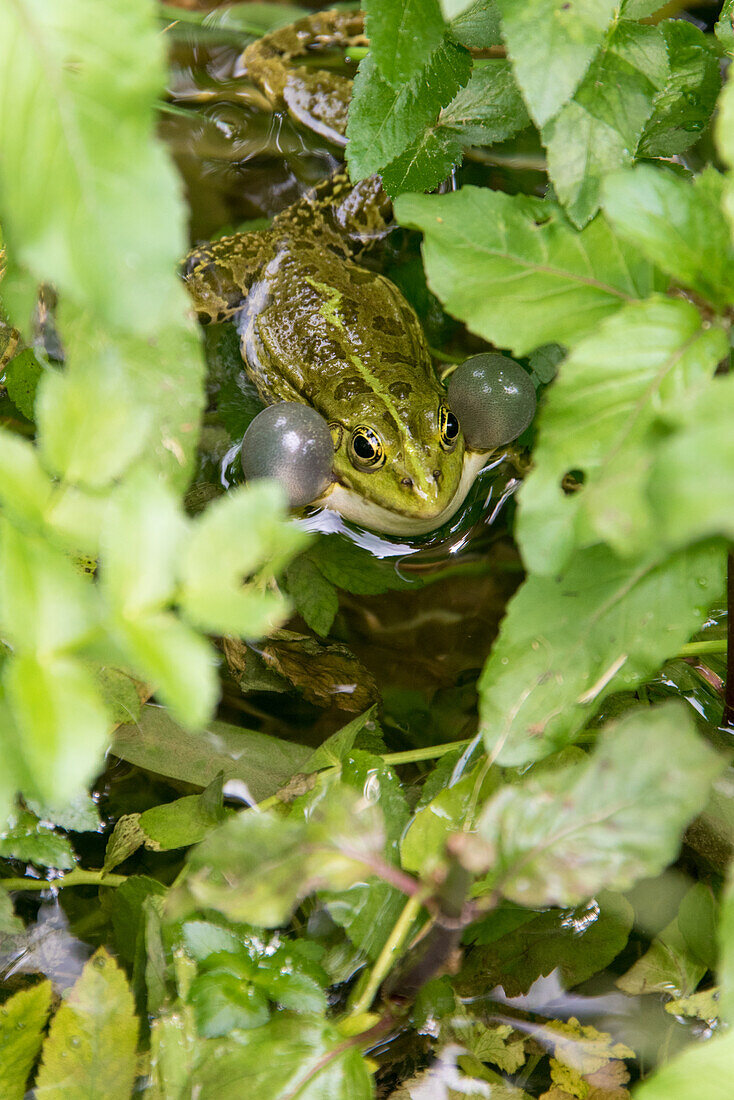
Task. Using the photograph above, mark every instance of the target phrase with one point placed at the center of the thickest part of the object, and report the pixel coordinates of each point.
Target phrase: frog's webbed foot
(350, 217)
(314, 97)
(218, 274)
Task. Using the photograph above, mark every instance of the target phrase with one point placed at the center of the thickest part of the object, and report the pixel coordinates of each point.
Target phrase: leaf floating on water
(325, 674)
(90, 1049)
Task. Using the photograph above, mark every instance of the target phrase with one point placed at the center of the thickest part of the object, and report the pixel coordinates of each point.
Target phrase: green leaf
(314, 598)
(22, 1021)
(724, 29)
(669, 966)
(478, 25)
(162, 379)
(10, 925)
(177, 662)
(80, 815)
(61, 720)
(185, 821)
(91, 424)
(158, 744)
(489, 109)
(313, 1062)
(601, 824)
(512, 268)
(600, 128)
(551, 44)
(367, 911)
(90, 1049)
(46, 606)
(423, 843)
(27, 839)
(89, 201)
(257, 866)
(725, 936)
(678, 224)
(355, 569)
(222, 1001)
(25, 488)
(385, 119)
(577, 942)
(243, 531)
(604, 419)
(403, 36)
(684, 106)
(22, 376)
(336, 749)
(703, 1069)
(569, 641)
(141, 542)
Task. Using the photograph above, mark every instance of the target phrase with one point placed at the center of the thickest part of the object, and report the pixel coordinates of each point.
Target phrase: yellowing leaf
(22, 1019)
(90, 1050)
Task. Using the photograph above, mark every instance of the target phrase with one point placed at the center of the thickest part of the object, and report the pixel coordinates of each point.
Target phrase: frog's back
(319, 328)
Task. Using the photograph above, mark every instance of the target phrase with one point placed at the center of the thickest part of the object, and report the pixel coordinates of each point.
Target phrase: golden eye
(366, 451)
(448, 428)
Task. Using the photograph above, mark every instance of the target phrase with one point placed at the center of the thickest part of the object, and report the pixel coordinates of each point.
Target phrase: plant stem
(429, 752)
(387, 956)
(727, 720)
(77, 877)
(695, 649)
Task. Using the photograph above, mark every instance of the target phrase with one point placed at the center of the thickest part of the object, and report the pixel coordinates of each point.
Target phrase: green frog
(319, 329)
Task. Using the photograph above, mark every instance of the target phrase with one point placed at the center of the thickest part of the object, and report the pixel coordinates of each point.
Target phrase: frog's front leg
(218, 274)
(317, 98)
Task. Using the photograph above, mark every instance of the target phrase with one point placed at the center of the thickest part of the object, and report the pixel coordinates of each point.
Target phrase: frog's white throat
(353, 507)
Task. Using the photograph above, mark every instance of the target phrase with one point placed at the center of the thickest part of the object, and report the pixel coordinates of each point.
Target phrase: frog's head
(408, 465)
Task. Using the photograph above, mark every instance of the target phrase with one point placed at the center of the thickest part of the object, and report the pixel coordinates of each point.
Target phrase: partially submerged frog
(317, 329)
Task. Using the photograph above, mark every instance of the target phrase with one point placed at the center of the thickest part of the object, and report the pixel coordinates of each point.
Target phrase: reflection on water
(44, 947)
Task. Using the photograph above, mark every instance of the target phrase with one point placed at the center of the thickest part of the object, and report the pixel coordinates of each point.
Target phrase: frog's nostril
(407, 482)
(437, 476)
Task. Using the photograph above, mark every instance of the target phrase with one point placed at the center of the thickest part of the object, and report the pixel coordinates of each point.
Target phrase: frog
(318, 327)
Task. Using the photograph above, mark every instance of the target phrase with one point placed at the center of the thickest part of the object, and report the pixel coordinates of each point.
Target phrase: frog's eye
(366, 451)
(494, 398)
(448, 428)
(291, 443)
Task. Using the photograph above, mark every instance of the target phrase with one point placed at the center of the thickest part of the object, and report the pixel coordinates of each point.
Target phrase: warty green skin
(318, 328)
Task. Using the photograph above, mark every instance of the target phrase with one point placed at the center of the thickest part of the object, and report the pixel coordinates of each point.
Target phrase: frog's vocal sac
(319, 329)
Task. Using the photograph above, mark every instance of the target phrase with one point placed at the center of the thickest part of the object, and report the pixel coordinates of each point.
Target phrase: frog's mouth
(354, 507)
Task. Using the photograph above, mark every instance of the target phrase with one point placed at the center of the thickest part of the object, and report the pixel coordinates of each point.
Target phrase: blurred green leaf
(22, 1022)
(91, 425)
(223, 1001)
(603, 420)
(185, 821)
(257, 866)
(89, 201)
(90, 1049)
(26, 838)
(678, 224)
(577, 942)
(245, 530)
(514, 270)
(551, 44)
(158, 744)
(559, 839)
(80, 815)
(61, 720)
(703, 1069)
(669, 966)
(313, 1062)
(25, 488)
(725, 26)
(570, 640)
